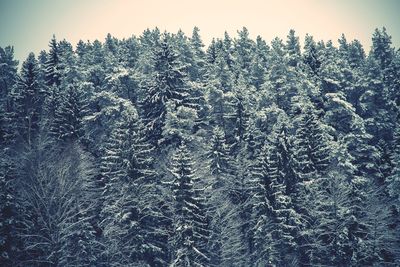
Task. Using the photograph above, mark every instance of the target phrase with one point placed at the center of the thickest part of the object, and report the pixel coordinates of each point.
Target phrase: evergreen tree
(310, 54)
(190, 223)
(393, 180)
(53, 76)
(311, 147)
(28, 99)
(197, 46)
(311, 156)
(11, 211)
(244, 48)
(8, 78)
(273, 213)
(167, 84)
(67, 123)
(130, 218)
(381, 48)
(293, 49)
(330, 241)
(80, 245)
(10, 208)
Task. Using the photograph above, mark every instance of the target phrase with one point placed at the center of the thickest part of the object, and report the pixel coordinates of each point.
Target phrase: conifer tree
(52, 68)
(131, 221)
(273, 213)
(293, 49)
(190, 223)
(167, 84)
(28, 99)
(67, 123)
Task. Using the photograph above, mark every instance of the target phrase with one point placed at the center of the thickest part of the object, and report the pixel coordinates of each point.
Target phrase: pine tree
(330, 241)
(10, 208)
(310, 54)
(8, 77)
(196, 44)
(67, 123)
(273, 213)
(114, 173)
(226, 238)
(293, 49)
(311, 160)
(381, 48)
(10, 211)
(143, 226)
(393, 181)
(311, 147)
(167, 84)
(281, 81)
(131, 222)
(80, 246)
(53, 76)
(190, 224)
(244, 48)
(28, 99)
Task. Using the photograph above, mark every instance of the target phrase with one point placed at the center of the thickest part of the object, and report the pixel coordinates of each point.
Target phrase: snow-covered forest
(157, 150)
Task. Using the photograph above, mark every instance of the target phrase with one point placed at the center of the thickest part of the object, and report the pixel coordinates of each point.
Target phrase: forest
(159, 150)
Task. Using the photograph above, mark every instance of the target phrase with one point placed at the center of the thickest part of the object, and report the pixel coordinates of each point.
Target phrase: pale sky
(28, 25)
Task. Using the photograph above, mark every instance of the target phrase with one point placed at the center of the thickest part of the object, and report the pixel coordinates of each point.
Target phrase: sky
(28, 25)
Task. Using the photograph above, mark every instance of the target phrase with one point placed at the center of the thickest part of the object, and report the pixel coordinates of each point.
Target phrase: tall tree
(53, 76)
(275, 219)
(190, 223)
(167, 84)
(29, 99)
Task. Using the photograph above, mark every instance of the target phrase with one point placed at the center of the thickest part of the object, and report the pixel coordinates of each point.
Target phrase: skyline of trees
(157, 150)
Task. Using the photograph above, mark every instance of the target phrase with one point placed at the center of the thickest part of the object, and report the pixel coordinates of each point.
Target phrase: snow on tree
(167, 84)
(190, 223)
(53, 76)
(291, 154)
(67, 123)
(273, 213)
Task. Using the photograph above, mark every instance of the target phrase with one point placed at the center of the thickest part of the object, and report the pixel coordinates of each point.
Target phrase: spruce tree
(167, 84)
(67, 123)
(52, 68)
(28, 99)
(131, 221)
(273, 213)
(190, 223)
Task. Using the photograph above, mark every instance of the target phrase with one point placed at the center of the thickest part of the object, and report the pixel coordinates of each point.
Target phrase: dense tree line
(158, 151)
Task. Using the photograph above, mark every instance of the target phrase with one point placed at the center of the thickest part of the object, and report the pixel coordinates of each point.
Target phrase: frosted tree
(225, 221)
(28, 99)
(129, 214)
(330, 241)
(67, 123)
(55, 213)
(293, 49)
(275, 220)
(167, 84)
(281, 79)
(311, 159)
(381, 47)
(114, 172)
(393, 180)
(199, 61)
(310, 54)
(190, 223)
(53, 76)
(9, 207)
(243, 53)
(11, 210)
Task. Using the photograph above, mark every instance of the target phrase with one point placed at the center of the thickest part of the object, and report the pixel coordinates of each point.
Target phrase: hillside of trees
(157, 150)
